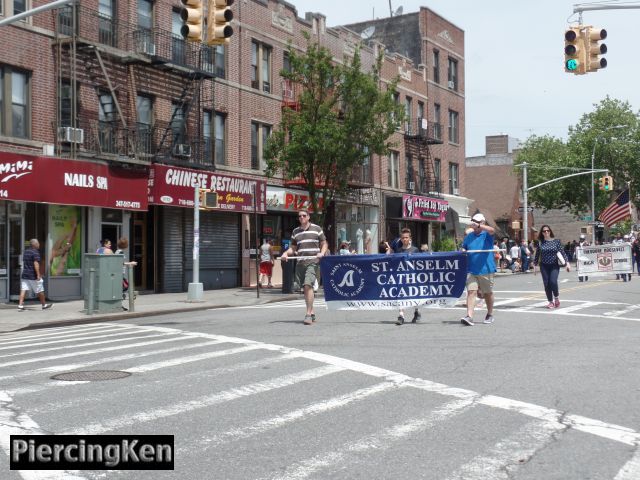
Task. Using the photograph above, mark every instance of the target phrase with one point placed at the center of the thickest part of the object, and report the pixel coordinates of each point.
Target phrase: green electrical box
(102, 275)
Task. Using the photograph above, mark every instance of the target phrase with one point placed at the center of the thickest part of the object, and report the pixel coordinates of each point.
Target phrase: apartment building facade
(115, 120)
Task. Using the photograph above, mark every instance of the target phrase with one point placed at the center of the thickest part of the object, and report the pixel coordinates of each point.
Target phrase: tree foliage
(610, 135)
(342, 117)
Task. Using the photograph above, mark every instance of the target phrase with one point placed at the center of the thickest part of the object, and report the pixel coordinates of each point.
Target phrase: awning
(61, 181)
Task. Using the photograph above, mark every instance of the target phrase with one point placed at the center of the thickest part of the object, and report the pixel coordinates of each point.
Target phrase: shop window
(358, 226)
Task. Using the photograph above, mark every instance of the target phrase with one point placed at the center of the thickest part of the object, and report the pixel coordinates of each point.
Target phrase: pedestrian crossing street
(530, 302)
(245, 409)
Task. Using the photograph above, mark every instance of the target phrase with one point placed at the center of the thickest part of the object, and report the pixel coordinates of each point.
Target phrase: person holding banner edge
(309, 244)
(548, 256)
(481, 267)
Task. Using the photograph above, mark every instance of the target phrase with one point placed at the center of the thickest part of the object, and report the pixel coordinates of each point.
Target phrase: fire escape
(105, 67)
(418, 136)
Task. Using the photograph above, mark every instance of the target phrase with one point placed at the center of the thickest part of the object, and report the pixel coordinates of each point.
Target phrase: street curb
(125, 316)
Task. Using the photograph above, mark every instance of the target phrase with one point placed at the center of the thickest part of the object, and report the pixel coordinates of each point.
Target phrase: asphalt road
(252, 393)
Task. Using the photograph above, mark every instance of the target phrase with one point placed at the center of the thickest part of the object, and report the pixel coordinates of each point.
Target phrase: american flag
(617, 211)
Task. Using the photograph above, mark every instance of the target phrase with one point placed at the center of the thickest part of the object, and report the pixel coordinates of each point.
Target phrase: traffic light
(191, 15)
(601, 183)
(593, 37)
(218, 22)
(208, 199)
(574, 51)
(608, 183)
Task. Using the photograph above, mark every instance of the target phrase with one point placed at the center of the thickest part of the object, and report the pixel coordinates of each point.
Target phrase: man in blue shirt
(481, 267)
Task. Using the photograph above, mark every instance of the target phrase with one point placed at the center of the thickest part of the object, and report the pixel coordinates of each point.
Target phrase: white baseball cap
(582, 237)
(478, 217)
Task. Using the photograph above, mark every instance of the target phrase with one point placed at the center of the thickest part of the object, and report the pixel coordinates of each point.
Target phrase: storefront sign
(283, 199)
(175, 186)
(424, 208)
(364, 196)
(70, 182)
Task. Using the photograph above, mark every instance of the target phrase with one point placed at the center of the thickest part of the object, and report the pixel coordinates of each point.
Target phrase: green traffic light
(572, 64)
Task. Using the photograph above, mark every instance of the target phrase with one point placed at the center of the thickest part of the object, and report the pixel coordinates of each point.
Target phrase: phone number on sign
(127, 204)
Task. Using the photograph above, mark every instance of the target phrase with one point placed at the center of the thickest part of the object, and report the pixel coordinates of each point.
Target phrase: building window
(422, 181)
(453, 127)
(219, 132)
(452, 74)
(144, 109)
(453, 179)
(259, 135)
(66, 99)
(106, 25)
(178, 44)
(19, 6)
(437, 122)
(420, 113)
(437, 173)
(408, 107)
(392, 170)
(411, 185)
(213, 60)
(178, 124)
(15, 118)
(436, 66)
(107, 134)
(261, 66)
(145, 14)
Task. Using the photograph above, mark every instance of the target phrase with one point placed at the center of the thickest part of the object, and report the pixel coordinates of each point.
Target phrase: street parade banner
(604, 259)
(386, 282)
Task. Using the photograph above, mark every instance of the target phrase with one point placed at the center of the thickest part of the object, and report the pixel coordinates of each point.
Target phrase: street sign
(521, 209)
(597, 224)
(586, 218)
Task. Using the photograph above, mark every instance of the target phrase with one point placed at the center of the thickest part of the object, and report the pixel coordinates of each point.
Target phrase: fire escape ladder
(418, 148)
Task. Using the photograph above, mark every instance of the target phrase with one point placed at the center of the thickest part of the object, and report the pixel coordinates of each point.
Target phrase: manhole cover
(91, 375)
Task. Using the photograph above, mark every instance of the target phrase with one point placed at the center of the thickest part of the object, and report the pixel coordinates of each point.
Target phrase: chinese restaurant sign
(175, 186)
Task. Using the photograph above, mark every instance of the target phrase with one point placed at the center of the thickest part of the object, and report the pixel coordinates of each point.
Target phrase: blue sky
(514, 56)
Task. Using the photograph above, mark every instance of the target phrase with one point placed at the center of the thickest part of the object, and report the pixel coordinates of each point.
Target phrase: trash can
(102, 283)
(288, 275)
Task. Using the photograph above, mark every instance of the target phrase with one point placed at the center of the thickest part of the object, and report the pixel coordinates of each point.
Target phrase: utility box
(102, 283)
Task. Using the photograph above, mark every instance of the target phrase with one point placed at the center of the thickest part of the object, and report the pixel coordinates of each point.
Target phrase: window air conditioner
(412, 185)
(451, 84)
(70, 135)
(144, 45)
(182, 150)
(456, 191)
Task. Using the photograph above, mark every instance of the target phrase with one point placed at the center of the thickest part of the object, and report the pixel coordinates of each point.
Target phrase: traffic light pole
(526, 189)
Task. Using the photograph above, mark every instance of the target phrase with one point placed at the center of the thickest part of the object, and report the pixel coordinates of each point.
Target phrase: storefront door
(16, 248)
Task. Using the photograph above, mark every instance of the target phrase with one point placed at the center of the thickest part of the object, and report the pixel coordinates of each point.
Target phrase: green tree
(609, 135)
(342, 117)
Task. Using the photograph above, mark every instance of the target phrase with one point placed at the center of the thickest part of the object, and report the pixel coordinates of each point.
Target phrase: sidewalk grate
(91, 375)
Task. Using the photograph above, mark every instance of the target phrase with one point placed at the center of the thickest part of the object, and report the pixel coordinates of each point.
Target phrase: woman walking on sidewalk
(548, 257)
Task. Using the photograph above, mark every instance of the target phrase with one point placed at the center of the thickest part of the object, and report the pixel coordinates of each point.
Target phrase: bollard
(91, 291)
(132, 291)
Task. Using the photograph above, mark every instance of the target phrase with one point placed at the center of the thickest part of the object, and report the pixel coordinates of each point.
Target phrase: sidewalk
(71, 312)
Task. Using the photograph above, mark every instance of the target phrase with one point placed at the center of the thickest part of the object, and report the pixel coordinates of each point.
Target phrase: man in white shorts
(32, 280)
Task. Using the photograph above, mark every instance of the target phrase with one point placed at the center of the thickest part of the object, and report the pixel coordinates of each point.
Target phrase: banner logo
(347, 279)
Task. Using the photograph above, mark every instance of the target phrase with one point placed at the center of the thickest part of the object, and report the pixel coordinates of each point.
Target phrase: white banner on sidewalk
(604, 259)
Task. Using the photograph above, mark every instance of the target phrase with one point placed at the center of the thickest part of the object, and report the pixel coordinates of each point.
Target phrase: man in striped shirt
(309, 244)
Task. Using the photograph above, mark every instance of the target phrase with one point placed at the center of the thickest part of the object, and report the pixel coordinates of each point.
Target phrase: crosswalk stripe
(61, 332)
(631, 469)
(618, 313)
(101, 361)
(574, 308)
(205, 401)
(87, 344)
(302, 413)
(14, 423)
(95, 350)
(378, 441)
(78, 337)
(505, 456)
(75, 345)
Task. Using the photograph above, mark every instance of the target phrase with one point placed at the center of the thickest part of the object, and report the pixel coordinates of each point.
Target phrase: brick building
(115, 120)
